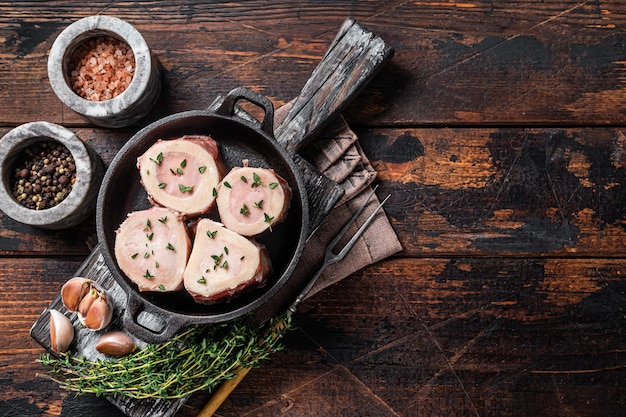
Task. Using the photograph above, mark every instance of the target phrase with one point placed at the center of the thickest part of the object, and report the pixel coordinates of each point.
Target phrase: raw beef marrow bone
(182, 174)
(223, 263)
(252, 200)
(152, 248)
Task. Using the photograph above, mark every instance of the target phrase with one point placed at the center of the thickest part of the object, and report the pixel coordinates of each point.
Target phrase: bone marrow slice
(223, 263)
(182, 174)
(252, 200)
(152, 248)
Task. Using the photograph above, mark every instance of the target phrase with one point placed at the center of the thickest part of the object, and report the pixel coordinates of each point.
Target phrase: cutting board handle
(351, 61)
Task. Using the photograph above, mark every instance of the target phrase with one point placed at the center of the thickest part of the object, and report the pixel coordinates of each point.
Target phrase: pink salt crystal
(94, 62)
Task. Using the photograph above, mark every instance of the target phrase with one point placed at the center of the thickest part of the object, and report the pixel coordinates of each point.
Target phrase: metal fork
(331, 257)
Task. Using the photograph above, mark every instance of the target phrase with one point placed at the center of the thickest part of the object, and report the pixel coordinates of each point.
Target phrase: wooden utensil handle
(222, 393)
(352, 60)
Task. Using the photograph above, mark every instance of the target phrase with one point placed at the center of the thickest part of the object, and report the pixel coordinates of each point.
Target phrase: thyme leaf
(185, 188)
(268, 220)
(159, 159)
(257, 180)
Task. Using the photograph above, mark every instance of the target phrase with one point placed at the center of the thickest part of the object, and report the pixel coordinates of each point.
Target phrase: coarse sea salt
(102, 68)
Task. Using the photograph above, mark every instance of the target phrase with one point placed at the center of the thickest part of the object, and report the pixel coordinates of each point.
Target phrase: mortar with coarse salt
(102, 68)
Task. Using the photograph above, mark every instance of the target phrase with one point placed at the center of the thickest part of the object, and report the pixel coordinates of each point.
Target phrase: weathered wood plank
(554, 62)
(459, 191)
(518, 192)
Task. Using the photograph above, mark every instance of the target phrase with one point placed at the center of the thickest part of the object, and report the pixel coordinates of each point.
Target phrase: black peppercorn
(44, 175)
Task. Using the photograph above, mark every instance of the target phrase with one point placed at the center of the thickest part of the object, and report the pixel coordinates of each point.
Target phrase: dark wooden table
(499, 129)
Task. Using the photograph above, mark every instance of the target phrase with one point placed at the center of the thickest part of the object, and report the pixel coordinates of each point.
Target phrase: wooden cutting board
(352, 60)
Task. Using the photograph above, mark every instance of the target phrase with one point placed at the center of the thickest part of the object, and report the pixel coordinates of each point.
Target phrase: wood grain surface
(499, 128)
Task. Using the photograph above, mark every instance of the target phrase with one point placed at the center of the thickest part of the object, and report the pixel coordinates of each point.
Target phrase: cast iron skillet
(238, 139)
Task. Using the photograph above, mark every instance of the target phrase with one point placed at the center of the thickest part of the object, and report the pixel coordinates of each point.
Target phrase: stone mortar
(79, 203)
(130, 106)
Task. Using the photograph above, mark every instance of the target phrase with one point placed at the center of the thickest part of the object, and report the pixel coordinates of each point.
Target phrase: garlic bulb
(90, 302)
(61, 332)
(116, 343)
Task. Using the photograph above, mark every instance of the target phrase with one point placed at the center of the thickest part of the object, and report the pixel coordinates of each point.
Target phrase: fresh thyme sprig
(197, 359)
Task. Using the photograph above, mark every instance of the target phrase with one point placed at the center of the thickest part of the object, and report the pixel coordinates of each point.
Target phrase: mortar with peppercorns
(50, 178)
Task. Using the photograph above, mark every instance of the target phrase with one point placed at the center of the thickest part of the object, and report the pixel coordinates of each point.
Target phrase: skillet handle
(155, 329)
(227, 107)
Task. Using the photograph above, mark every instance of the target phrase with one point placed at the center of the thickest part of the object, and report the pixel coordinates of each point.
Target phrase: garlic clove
(61, 332)
(73, 291)
(99, 314)
(86, 302)
(116, 343)
(90, 302)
